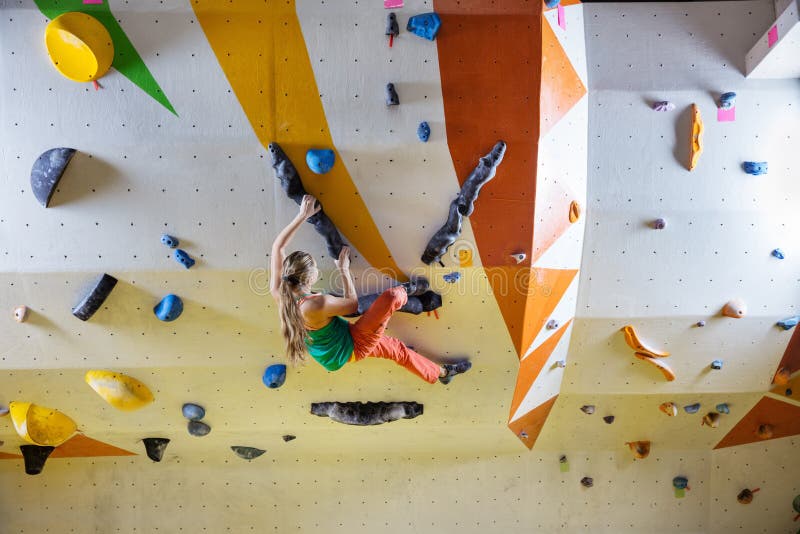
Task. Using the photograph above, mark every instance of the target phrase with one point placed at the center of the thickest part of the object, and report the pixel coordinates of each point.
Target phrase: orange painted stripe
(532, 423)
(82, 446)
(532, 365)
(562, 88)
(784, 417)
(791, 357)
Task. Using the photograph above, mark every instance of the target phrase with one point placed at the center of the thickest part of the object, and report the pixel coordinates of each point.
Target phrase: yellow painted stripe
(259, 45)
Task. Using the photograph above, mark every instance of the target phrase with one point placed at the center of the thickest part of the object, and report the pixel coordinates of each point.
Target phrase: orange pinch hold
(633, 341)
(574, 211)
(735, 308)
(696, 145)
(765, 431)
(665, 369)
(640, 449)
(669, 408)
(782, 377)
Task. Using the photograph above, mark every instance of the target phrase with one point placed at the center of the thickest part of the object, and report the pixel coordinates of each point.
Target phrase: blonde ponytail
(297, 269)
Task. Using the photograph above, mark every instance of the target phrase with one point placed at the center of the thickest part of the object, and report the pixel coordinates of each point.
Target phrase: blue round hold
(169, 309)
(274, 376)
(193, 412)
(320, 161)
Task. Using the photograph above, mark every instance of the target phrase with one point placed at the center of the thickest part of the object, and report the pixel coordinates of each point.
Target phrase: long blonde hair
(298, 268)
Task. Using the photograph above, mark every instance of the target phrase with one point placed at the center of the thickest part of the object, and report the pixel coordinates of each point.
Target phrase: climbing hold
(121, 391)
(765, 431)
(95, 298)
(47, 171)
(756, 168)
(663, 105)
(727, 100)
(711, 419)
(640, 449)
(665, 369)
(519, 257)
(155, 448)
(452, 278)
(552, 3)
(659, 224)
(423, 132)
(79, 46)
(692, 408)
(561, 364)
(35, 456)
(716, 365)
(701, 324)
(746, 495)
(669, 408)
(40, 425)
(21, 314)
(788, 392)
(735, 308)
(633, 341)
(182, 257)
(391, 95)
(696, 141)
(680, 483)
(193, 412)
(552, 324)
(587, 482)
(416, 304)
(778, 253)
(463, 204)
(274, 376)
(171, 242)
(796, 505)
(367, 413)
(782, 376)
(198, 428)
(608, 419)
(392, 29)
(587, 409)
(169, 309)
(523, 434)
(789, 322)
(3, 410)
(425, 25)
(574, 211)
(723, 408)
(320, 161)
(289, 437)
(563, 466)
(248, 453)
(291, 184)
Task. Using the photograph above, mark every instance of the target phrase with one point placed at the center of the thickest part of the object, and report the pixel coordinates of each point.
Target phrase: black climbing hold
(426, 302)
(289, 437)
(182, 257)
(47, 171)
(92, 302)
(423, 132)
(171, 242)
(391, 95)
(425, 25)
(291, 184)
(248, 453)
(587, 482)
(366, 413)
(169, 309)
(198, 428)
(155, 448)
(608, 419)
(193, 412)
(391, 25)
(274, 376)
(35, 456)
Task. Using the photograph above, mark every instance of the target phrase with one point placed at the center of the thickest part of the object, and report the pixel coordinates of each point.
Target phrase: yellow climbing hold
(40, 425)
(79, 46)
(120, 391)
(633, 341)
(696, 142)
(665, 369)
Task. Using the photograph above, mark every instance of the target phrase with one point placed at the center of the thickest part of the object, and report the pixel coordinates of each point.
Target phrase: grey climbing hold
(291, 184)
(663, 105)
(716, 365)
(247, 453)
(274, 376)
(425, 25)
(47, 171)
(423, 132)
(367, 413)
(608, 419)
(169, 309)
(756, 168)
(21, 314)
(320, 161)
(182, 257)
(198, 428)
(789, 322)
(587, 482)
(659, 224)
(561, 363)
(391, 95)
(95, 298)
(723, 408)
(289, 437)
(778, 253)
(692, 408)
(171, 242)
(452, 278)
(3, 410)
(587, 409)
(552, 324)
(35, 456)
(701, 324)
(155, 448)
(464, 204)
(392, 29)
(519, 257)
(727, 100)
(415, 305)
(193, 412)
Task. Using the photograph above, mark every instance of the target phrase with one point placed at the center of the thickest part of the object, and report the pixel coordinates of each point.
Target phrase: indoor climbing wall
(558, 255)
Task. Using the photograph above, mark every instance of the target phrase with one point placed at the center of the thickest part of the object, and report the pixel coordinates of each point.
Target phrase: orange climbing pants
(369, 340)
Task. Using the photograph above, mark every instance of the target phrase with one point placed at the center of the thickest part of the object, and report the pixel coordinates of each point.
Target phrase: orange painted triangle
(551, 215)
(784, 418)
(562, 88)
(529, 426)
(9, 456)
(791, 357)
(80, 446)
(531, 366)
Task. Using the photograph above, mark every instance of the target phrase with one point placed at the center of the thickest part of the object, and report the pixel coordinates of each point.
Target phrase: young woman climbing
(313, 322)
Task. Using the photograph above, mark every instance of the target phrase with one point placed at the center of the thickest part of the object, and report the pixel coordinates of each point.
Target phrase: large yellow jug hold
(40, 425)
(121, 391)
(79, 46)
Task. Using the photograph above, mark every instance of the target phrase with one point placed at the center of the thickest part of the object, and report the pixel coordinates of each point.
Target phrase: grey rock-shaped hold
(392, 99)
(193, 412)
(587, 482)
(663, 105)
(692, 408)
(291, 184)
(392, 27)
(444, 237)
(95, 298)
(35, 456)
(366, 413)
(289, 437)
(198, 428)
(155, 448)
(47, 171)
(727, 100)
(609, 419)
(426, 302)
(588, 409)
(247, 453)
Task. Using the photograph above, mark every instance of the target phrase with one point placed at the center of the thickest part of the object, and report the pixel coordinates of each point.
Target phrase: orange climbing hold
(633, 341)
(669, 408)
(640, 449)
(696, 147)
(574, 211)
(664, 368)
(735, 308)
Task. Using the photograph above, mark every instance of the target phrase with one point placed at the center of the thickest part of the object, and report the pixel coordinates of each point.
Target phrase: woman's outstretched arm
(308, 207)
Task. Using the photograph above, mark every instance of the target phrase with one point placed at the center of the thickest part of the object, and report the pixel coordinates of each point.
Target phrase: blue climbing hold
(756, 168)
(423, 132)
(183, 258)
(274, 376)
(716, 364)
(789, 322)
(692, 408)
(723, 408)
(171, 242)
(452, 278)
(320, 161)
(680, 482)
(727, 100)
(169, 309)
(425, 25)
(193, 412)
(778, 253)
(198, 428)
(552, 3)
(788, 392)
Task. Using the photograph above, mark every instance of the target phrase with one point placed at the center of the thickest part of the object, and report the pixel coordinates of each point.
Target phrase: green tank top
(331, 345)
